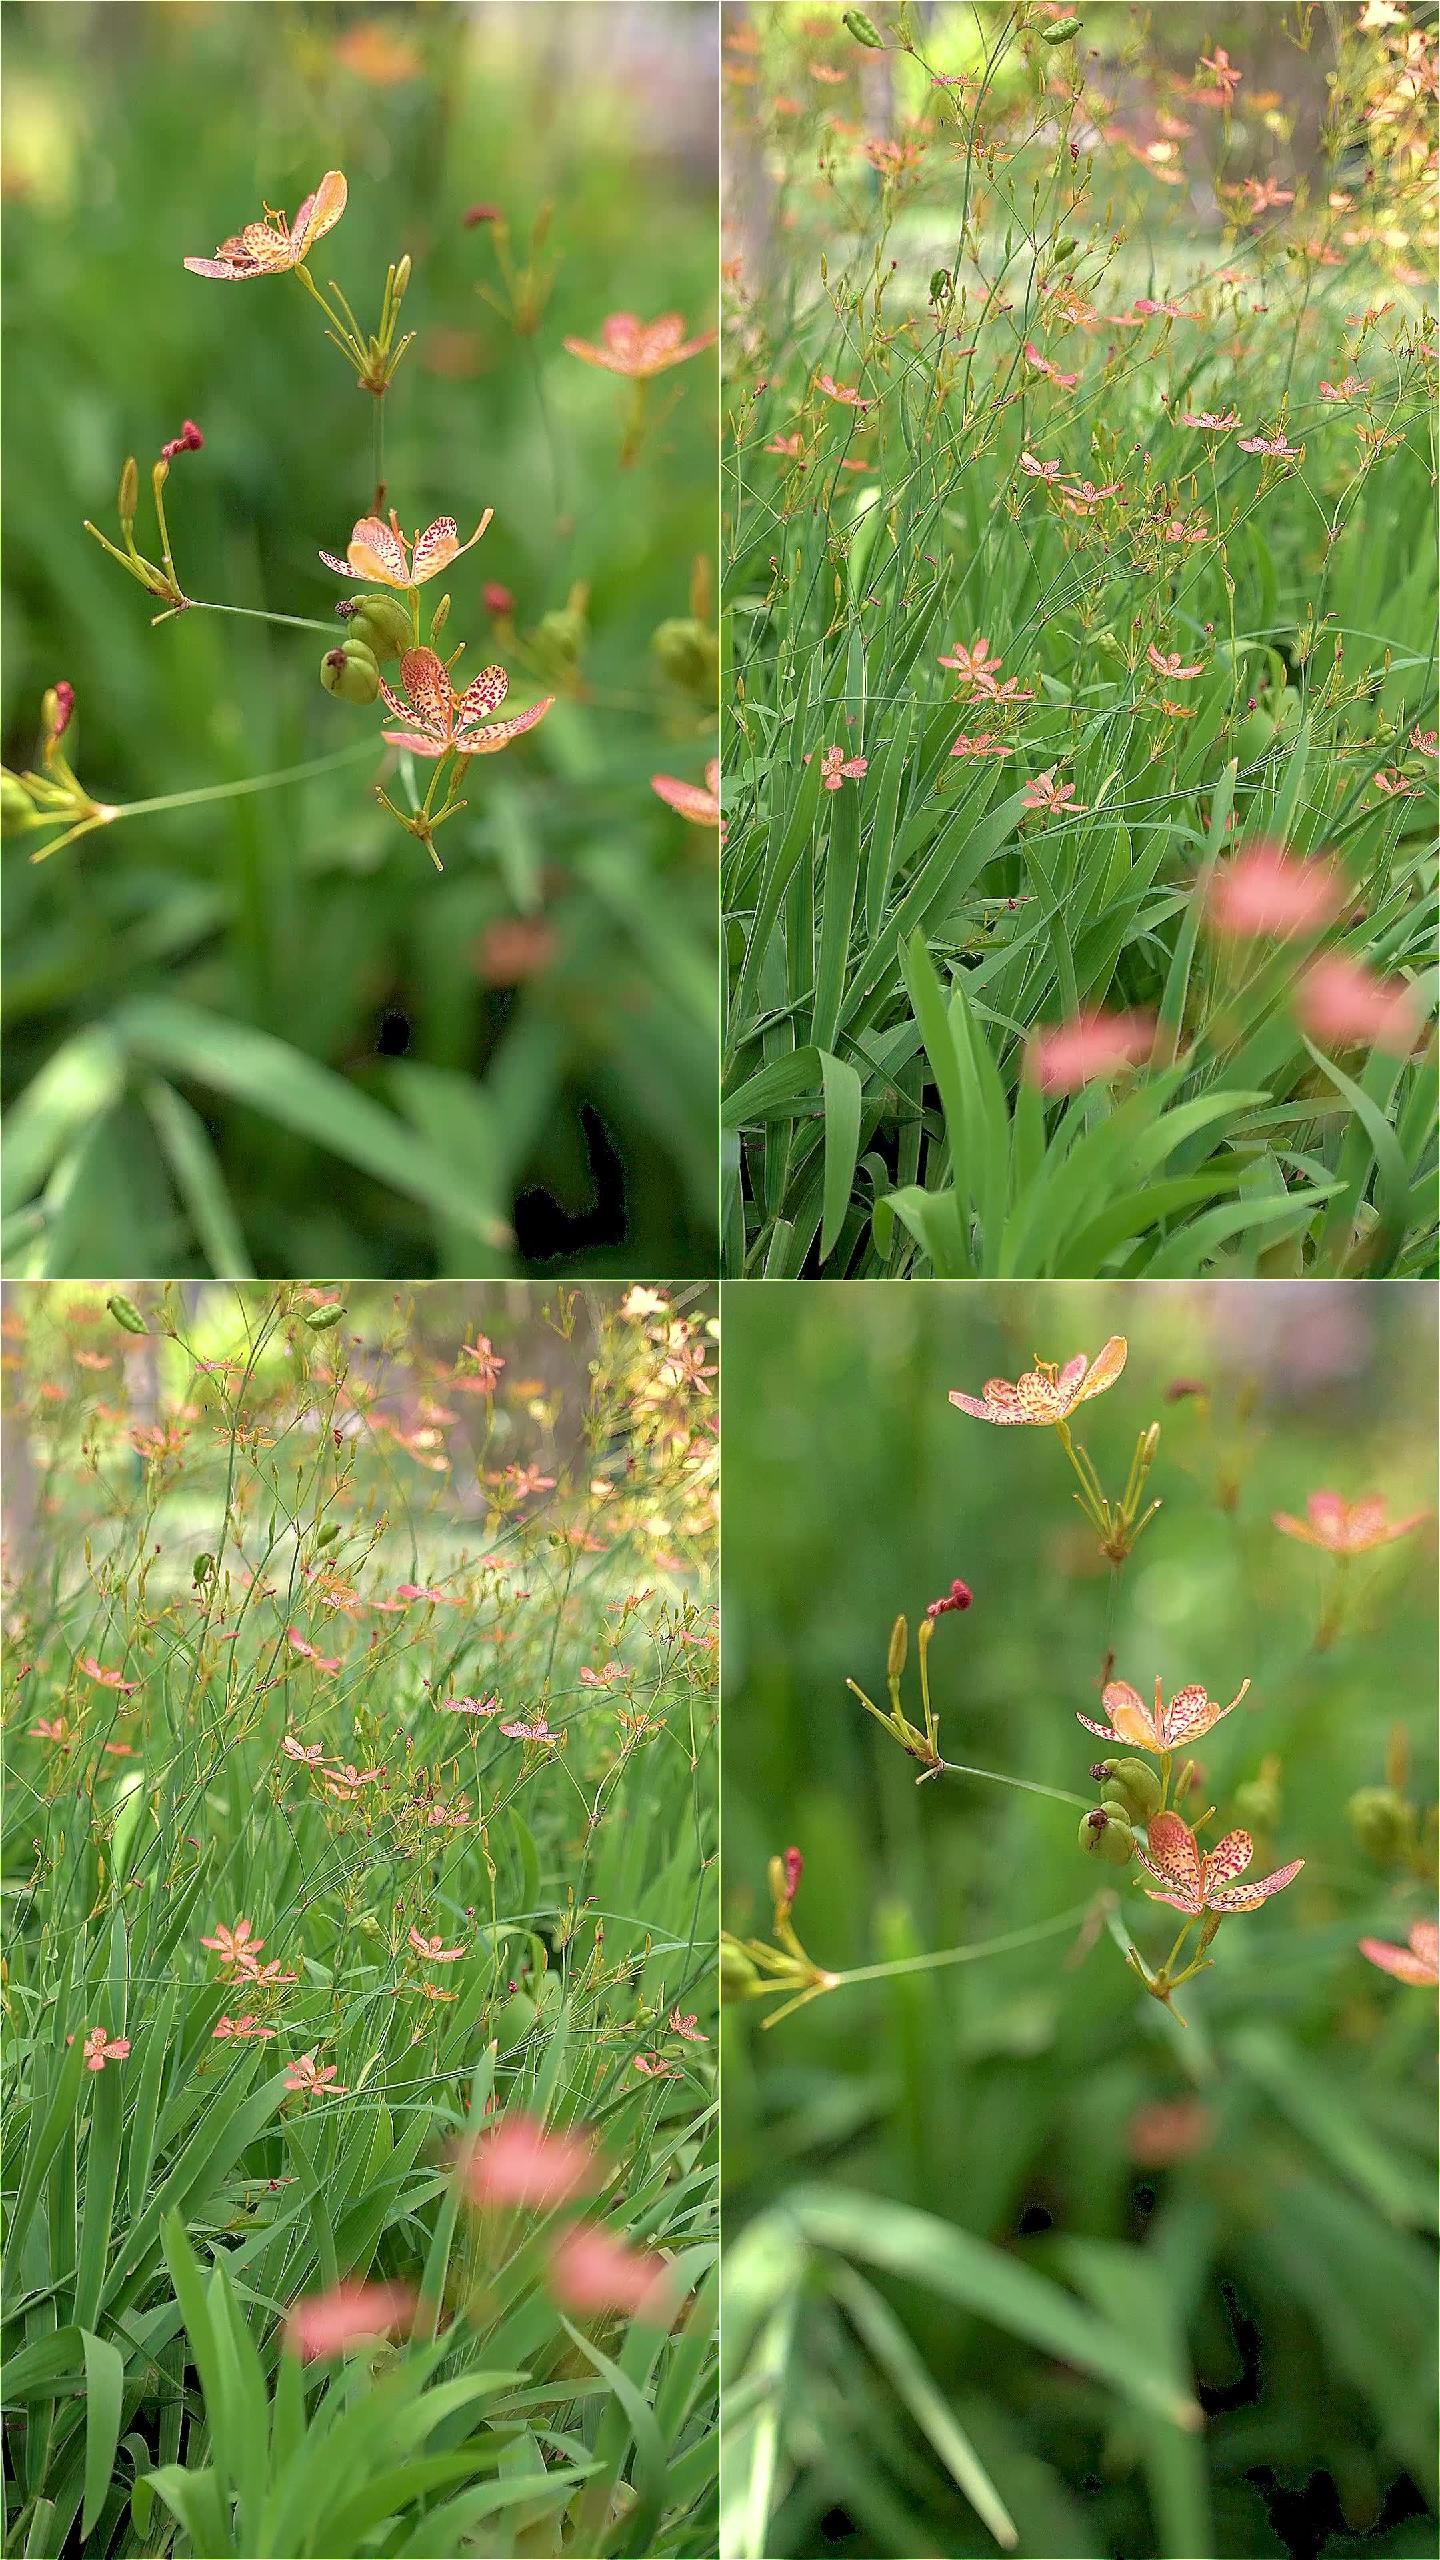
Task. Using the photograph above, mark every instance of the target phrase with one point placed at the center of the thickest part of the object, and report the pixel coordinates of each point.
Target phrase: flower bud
(382, 625)
(863, 29)
(1105, 1833)
(739, 1979)
(127, 1315)
(1383, 1824)
(689, 655)
(350, 672)
(899, 1648)
(129, 493)
(497, 599)
(438, 619)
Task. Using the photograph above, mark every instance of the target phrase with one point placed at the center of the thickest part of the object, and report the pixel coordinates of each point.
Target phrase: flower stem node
(350, 672)
(1105, 1833)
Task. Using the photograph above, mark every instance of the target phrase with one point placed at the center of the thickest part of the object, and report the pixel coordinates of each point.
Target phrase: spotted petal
(423, 676)
(320, 213)
(376, 551)
(1072, 1373)
(432, 744)
(1228, 1859)
(1173, 1860)
(1038, 1399)
(1246, 1897)
(1130, 1719)
(484, 692)
(488, 741)
(1191, 1713)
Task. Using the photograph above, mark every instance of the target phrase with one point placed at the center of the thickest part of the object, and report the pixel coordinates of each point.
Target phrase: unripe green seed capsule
(941, 287)
(381, 625)
(863, 29)
(1064, 33)
(350, 672)
(320, 1319)
(1138, 1786)
(1106, 1834)
(202, 1570)
(327, 1536)
(127, 1315)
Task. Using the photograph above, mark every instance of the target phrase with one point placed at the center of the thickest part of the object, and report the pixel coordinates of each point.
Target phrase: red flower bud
(794, 1870)
(478, 213)
(64, 705)
(189, 440)
(498, 599)
(959, 1596)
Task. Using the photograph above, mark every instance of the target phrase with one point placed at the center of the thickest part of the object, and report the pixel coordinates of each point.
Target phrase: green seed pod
(942, 286)
(1064, 251)
(127, 1315)
(320, 1319)
(202, 1570)
(515, 2021)
(1136, 1786)
(350, 672)
(560, 637)
(1383, 1824)
(381, 625)
(739, 1979)
(1065, 33)
(689, 655)
(863, 29)
(1104, 1833)
(326, 1536)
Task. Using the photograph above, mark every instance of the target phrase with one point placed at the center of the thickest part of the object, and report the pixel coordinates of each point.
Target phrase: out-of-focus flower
(1339, 1001)
(514, 948)
(1418, 1963)
(1272, 445)
(380, 555)
(268, 248)
(1189, 1714)
(1169, 664)
(1215, 423)
(107, 1679)
(653, 2066)
(1197, 1880)
(308, 1653)
(440, 721)
(375, 55)
(591, 2271)
(1169, 2129)
(326, 2323)
(640, 348)
(1046, 1394)
(100, 2048)
(1065, 1055)
(959, 1596)
(1347, 1528)
(1052, 372)
(1265, 891)
(700, 806)
(535, 1730)
(470, 1706)
(242, 2030)
(522, 2163)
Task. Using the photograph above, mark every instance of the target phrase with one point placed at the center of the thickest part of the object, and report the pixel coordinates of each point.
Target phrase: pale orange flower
(100, 2048)
(441, 722)
(325, 2323)
(848, 397)
(701, 807)
(640, 348)
(1217, 425)
(1418, 1963)
(234, 1946)
(1063, 1056)
(523, 2164)
(687, 2028)
(1045, 793)
(652, 2066)
(1169, 664)
(1161, 1728)
(373, 54)
(591, 2271)
(243, 2030)
(303, 2080)
(380, 555)
(1199, 1880)
(1169, 2129)
(1339, 1001)
(268, 248)
(1047, 1394)
(434, 1950)
(975, 664)
(1042, 364)
(1347, 1528)
(107, 1679)
(308, 1653)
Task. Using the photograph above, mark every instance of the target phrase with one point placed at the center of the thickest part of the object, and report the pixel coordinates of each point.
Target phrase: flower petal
(1245, 1897)
(1129, 1716)
(376, 551)
(1228, 1859)
(1174, 1856)
(423, 676)
(489, 741)
(1105, 1368)
(320, 213)
(428, 745)
(484, 692)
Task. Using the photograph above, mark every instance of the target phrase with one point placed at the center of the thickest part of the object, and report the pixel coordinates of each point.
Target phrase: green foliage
(533, 1030)
(1013, 2257)
(254, 1559)
(1201, 646)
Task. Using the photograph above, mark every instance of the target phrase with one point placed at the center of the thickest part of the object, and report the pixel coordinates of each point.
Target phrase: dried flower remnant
(1347, 1528)
(325, 2324)
(272, 247)
(959, 1596)
(1046, 1394)
(1190, 1713)
(1417, 1963)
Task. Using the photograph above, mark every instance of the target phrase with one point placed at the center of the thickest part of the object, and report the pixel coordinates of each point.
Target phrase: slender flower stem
(1013, 1938)
(1030, 1786)
(235, 790)
(251, 613)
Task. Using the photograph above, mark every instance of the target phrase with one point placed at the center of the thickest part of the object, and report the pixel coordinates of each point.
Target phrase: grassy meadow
(360, 2155)
(1080, 614)
(1015, 2259)
(251, 1026)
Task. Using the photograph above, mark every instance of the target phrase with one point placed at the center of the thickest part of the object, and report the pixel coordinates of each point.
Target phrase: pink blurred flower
(1272, 445)
(840, 391)
(307, 1652)
(1339, 1001)
(701, 807)
(107, 1679)
(434, 1950)
(591, 2271)
(1063, 1056)
(640, 348)
(687, 2028)
(1211, 419)
(1169, 2129)
(1042, 364)
(243, 2030)
(1263, 890)
(325, 2323)
(1169, 664)
(1347, 1528)
(1418, 1963)
(523, 2164)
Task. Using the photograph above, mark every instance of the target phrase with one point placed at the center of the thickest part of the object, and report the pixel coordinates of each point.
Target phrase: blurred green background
(1271, 2241)
(529, 1040)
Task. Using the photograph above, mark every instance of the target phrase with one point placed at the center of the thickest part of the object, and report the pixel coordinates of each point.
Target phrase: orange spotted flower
(1418, 1963)
(1047, 1394)
(1347, 1528)
(270, 247)
(640, 348)
(379, 554)
(439, 721)
(701, 807)
(1189, 1714)
(1199, 1880)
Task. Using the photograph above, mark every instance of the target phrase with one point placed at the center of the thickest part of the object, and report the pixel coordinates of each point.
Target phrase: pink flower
(836, 767)
(1045, 793)
(1149, 310)
(310, 1753)
(687, 2028)
(1199, 1880)
(591, 2272)
(246, 2029)
(1037, 471)
(1207, 418)
(487, 1361)
(790, 446)
(535, 1731)
(1275, 444)
(974, 665)
(1169, 2129)
(834, 390)
(1347, 1528)
(1064, 1056)
(307, 1652)
(1042, 364)
(1418, 1963)
(701, 807)
(984, 743)
(652, 2066)
(434, 1950)
(438, 721)
(50, 1729)
(1141, 1728)
(325, 2323)
(234, 1946)
(470, 1706)
(268, 248)
(640, 348)
(1224, 74)
(100, 2048)
(1265, 891)
(107, 1679)
(1345, 390)
(1170, 665)
(1339, 1000)
(303, 2080)
(523, 2164)
(1047, 1394)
